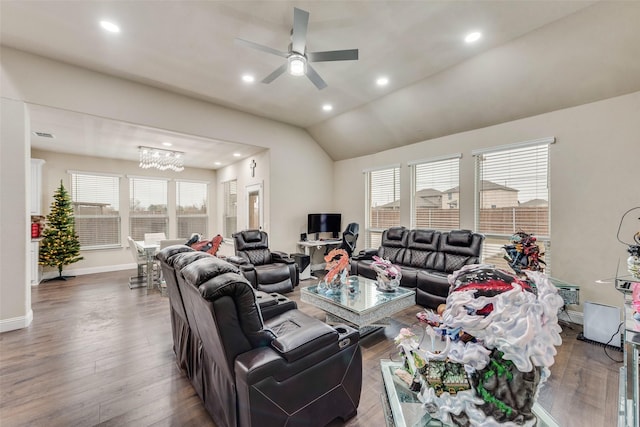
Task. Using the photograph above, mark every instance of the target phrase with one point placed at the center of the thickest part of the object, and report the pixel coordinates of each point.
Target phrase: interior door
(254, 207)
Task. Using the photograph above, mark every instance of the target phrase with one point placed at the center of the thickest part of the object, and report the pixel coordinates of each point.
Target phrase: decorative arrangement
(338, 269)
(388, 274)
(161, 159)
(499, 344)
(60, 245)
(628, 226)
(523, 253)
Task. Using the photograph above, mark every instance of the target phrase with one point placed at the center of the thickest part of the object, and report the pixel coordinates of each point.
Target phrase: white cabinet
(36, 186)
(35, 268)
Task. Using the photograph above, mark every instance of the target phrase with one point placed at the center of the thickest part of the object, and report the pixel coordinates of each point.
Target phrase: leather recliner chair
(266, 270)
(252, 367)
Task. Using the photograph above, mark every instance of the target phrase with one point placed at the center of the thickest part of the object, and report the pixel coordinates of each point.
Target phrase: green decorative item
(60, 245)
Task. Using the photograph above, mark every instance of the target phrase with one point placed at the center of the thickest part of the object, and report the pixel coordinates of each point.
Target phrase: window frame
(133, 216)
(495, 238)
(435, 161)
(204, 215)
(369, 230)
(117, 243)
(226, 207)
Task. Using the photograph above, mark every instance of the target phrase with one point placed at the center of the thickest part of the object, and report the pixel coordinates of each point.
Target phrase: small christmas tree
(60, 245)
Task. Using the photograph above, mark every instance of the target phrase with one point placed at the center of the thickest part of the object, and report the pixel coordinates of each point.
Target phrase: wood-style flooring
(98, 353)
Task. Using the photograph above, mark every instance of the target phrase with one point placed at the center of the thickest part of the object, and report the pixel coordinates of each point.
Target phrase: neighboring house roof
(428, 192)
(535, 203)
(486, 185)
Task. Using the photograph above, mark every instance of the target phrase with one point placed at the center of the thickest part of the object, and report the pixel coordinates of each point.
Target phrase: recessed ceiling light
(237, 154)
(382, 81)
(327, 107)
(473, 37)
(110, 26)
(167, 144)
(248, 78)
(217, 163)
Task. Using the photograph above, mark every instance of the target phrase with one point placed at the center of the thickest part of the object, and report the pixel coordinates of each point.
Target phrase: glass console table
(403, 409)
(628, 415)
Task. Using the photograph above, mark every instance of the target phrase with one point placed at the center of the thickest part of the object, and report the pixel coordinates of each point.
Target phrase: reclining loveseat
(426, 258)
(253, 358)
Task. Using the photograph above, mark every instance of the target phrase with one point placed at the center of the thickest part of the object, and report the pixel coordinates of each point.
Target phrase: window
(436, 193)
(513, 195)
(230, 216)
(95, 200)
(383, 203)
(147, 207)
(191, 209)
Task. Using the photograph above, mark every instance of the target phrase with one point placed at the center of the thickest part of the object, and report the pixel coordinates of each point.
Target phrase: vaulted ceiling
(533, 57)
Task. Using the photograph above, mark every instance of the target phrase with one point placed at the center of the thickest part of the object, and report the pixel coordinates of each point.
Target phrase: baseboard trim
(14, 323)
(572, 316)
(90, 270)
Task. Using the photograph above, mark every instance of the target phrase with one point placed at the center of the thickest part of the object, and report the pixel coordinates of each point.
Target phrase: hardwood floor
(98, 353)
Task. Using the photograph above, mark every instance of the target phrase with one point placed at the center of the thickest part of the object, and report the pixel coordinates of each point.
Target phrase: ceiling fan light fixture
(297, 65)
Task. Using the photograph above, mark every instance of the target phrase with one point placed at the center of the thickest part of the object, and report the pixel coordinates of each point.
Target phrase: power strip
(581, 337)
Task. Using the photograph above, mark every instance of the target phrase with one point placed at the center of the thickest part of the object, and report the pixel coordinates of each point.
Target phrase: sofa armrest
(365, 254)
(234, 259)
(298, 343)
(283, 257)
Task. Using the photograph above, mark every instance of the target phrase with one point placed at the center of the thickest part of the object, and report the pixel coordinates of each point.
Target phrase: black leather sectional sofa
(254, 358)
(426, 258)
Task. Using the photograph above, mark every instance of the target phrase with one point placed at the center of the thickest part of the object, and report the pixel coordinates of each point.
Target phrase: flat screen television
(324, 223)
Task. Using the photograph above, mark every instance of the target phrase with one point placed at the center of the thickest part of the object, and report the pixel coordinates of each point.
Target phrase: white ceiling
(534, 57)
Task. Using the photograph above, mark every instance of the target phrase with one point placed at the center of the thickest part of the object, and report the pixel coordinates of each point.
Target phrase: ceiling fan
(298, 58)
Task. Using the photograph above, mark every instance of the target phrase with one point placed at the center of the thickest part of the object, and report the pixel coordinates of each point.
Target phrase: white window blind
(383, 202)
(230, 218)
(436, 196)
(191, 209)
(513, 195)
(147, 207)
(95, 200)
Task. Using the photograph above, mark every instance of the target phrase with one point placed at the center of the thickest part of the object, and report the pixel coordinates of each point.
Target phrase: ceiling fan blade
(278, 71)
(299, 35)
(261, 47)
(333, 55)
(315, 78)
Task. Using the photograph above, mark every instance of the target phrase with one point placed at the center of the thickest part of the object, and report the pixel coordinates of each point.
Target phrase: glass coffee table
(402, 407)
(359, 303)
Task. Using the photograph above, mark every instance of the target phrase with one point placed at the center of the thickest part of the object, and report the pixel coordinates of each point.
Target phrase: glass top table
(405, 410)
(359, 302)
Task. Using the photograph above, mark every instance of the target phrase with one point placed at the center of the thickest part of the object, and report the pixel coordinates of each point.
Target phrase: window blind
(191, 208)
(230, 218)
(436, 196)
(383, 202)
(95, 200)
(147, 207)
(513, 195)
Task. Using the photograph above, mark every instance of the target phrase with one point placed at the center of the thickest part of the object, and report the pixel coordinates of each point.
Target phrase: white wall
(594, 180)
(15, 280)
(55, 169)
(298, 163)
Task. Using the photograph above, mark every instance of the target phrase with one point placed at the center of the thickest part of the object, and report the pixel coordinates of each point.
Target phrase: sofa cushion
(422, 236)
(170, 251)
(459, 238)
(180, 260)
(203, 269)
(396, 233)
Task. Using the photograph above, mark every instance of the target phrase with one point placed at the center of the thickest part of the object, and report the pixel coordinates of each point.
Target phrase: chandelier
(161, 159)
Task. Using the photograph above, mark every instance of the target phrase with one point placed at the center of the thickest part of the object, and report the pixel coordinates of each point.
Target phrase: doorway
(254, 207)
